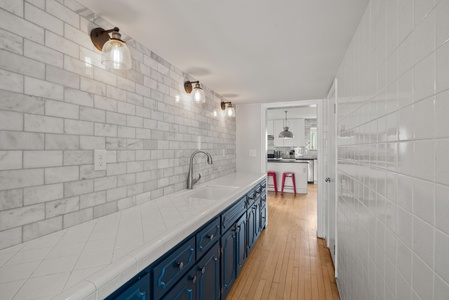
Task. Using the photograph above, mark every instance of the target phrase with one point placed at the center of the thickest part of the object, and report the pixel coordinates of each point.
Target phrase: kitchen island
(95, 258)
(281, 165)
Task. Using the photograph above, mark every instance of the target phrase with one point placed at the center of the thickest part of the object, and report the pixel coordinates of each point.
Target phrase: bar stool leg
(275, 183)
(283, 181)
(294, 182)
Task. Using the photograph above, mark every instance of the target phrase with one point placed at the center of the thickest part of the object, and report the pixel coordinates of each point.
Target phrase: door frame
(321, 204)
(332, 130)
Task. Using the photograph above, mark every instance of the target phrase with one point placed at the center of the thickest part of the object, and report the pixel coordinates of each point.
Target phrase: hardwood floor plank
(288, 261)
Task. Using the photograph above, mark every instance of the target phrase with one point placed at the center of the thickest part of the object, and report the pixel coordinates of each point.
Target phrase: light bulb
(230, 112)
(116, 55)
(198, 94)
(215, 113)
(177, 99)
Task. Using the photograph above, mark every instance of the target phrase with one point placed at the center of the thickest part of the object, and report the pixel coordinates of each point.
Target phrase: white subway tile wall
(58, 103)
(393, 150)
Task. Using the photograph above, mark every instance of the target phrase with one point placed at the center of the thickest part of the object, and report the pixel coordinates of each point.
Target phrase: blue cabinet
(207, 236)
(167, 272)
(228, 260)
(241, 238)
(140, 290)
(185, 289)
(208, 274)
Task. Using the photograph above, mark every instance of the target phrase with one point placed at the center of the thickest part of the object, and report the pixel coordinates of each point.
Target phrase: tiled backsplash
(393, 170)
(58, 104)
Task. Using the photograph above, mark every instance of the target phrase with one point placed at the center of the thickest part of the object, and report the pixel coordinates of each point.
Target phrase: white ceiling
(248, 51)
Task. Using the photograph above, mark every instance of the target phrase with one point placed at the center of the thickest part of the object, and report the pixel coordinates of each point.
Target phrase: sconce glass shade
(116, 55)
(198, 94)
(230, 111)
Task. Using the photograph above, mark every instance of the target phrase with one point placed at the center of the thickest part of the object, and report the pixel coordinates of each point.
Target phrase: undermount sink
(212, 192)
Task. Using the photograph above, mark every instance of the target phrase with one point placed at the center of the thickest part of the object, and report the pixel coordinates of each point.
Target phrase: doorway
(318, 103)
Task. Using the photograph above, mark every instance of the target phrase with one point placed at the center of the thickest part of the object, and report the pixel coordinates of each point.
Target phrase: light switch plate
(100, 160)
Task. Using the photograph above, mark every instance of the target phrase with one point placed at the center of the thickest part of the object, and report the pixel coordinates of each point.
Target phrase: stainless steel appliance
(310, 174)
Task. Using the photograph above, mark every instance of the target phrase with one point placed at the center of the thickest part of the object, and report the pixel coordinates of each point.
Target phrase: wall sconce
(114, 52)
(230, 110)
(197, 92)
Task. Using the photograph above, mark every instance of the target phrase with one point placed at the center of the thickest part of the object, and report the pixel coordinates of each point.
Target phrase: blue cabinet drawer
(231, 215)
(139, 290)
(207, 237)
(173, 267)
(185, 289)
(263, 183)
(250, 198)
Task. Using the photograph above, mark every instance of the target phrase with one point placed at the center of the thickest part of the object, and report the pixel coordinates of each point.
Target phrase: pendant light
(286, 134)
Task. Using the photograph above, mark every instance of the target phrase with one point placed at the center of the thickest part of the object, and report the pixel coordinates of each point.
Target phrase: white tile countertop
(93, 259)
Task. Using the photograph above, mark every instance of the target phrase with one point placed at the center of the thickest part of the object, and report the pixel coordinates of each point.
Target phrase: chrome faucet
(190, 180)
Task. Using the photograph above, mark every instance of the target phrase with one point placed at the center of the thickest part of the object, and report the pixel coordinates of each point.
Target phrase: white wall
(58, 104)
(250, 136)
(393, 164)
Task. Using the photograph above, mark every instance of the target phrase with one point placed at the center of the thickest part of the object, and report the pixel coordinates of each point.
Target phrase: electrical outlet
(252, 152)
(99, 160)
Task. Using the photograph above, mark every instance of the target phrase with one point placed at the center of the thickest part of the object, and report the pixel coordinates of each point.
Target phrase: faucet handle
(196, 180)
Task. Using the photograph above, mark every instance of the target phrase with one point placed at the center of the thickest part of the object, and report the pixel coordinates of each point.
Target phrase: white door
(331, 177)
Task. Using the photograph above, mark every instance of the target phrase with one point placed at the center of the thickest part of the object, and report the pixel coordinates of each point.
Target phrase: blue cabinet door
(185, 289)
(241, 229)
(208, 274)
(139, 290)
(228, 260)
(251, 231)
(257, 228)
(263, 217)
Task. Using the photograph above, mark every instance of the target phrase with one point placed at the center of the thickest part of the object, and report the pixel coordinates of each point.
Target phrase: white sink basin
(212, 192)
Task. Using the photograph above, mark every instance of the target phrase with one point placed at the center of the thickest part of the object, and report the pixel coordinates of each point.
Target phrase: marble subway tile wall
(393, 154)
(58, 103)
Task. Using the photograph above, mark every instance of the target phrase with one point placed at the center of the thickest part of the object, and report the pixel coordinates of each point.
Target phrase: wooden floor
(288, 260)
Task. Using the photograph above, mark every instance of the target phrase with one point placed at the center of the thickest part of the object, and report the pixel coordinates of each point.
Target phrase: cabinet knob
(203, 270)
(194, 279)
(181, 265)
(211, 236)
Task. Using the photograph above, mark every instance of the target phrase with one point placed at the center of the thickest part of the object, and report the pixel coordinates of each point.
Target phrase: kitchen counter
(280, 166)
(93, 259)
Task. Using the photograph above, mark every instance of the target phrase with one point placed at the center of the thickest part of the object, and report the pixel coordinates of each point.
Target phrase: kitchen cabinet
(228, 260)
(277, 128)
(241, 237)
(208, 274)
(139, 290)
(270, 127)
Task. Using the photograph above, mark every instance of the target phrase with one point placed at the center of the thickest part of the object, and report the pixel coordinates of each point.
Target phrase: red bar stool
(288, 175)
(275, 181)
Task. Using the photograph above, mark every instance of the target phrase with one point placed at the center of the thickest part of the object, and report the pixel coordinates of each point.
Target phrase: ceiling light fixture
(114, 52)
(230, 110)
(197, 92)
(286, 134)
